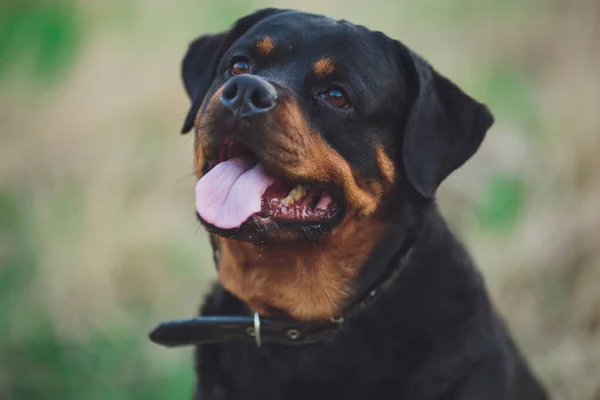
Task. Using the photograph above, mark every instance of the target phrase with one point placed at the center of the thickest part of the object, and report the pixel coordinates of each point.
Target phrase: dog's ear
(445, 126)
(199, 65)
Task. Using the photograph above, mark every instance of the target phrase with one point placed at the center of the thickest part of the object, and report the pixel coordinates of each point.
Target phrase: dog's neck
(310, 282)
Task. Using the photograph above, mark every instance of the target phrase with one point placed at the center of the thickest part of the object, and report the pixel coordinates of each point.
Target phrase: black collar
(258, 330)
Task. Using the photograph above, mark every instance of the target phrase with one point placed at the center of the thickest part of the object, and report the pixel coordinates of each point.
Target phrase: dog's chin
(266, 230)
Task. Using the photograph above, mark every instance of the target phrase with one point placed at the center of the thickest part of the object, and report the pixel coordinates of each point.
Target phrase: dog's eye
(239, 67)
(336, 97)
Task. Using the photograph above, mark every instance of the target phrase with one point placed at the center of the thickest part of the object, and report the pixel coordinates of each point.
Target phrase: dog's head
(308, 128)
(302, 121)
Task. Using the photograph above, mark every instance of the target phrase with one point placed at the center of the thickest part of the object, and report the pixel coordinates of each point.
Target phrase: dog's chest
(321, 372)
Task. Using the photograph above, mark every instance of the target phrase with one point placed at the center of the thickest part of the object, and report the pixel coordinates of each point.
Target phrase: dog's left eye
(240, 67)
(336, 97)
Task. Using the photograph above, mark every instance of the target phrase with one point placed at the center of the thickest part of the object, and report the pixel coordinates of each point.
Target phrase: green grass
(511, 96)
(39, 38)
(502, 203)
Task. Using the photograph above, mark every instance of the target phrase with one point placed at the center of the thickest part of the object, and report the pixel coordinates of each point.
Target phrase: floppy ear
(444, 128)
(200, 63)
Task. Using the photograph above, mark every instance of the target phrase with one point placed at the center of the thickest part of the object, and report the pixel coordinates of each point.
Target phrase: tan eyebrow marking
(265, 45)
(323, 67)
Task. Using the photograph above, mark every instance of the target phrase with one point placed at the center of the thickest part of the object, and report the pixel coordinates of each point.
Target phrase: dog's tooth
(324, 202)
(287, 201)
(297, 193)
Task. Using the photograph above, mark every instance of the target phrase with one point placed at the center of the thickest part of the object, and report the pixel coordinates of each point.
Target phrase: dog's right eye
(239, 66)
(336, 97)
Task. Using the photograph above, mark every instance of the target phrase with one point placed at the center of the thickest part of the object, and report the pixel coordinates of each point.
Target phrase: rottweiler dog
(319, 147)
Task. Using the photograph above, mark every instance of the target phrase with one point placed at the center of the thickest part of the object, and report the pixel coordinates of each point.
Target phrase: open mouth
(237, 187)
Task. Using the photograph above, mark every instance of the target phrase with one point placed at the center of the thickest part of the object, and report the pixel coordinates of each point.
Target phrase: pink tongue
(231, 192)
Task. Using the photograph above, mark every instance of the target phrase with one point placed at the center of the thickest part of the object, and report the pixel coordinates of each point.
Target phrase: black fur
(434, 334)
(200, 62)
(444, 129)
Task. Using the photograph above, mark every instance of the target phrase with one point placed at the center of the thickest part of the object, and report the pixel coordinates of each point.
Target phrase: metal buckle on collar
(218, 329)
(255, 332)
(257, 337)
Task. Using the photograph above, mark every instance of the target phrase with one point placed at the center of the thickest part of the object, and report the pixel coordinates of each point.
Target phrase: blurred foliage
(503, 202)
(510, 93)
(44, 364)
(41, 36)
(95, 246)
(41, 40)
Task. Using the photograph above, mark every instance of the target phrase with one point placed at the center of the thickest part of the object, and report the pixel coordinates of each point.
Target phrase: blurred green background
(97, 236)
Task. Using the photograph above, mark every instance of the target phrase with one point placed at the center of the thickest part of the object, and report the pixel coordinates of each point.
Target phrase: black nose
(247, 95)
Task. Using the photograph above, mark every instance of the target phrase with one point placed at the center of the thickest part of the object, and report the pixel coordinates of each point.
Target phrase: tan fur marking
(319, 162)
(199, 149)
(323, 67)
(265, 45)
(386, 165)
(308, 282)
